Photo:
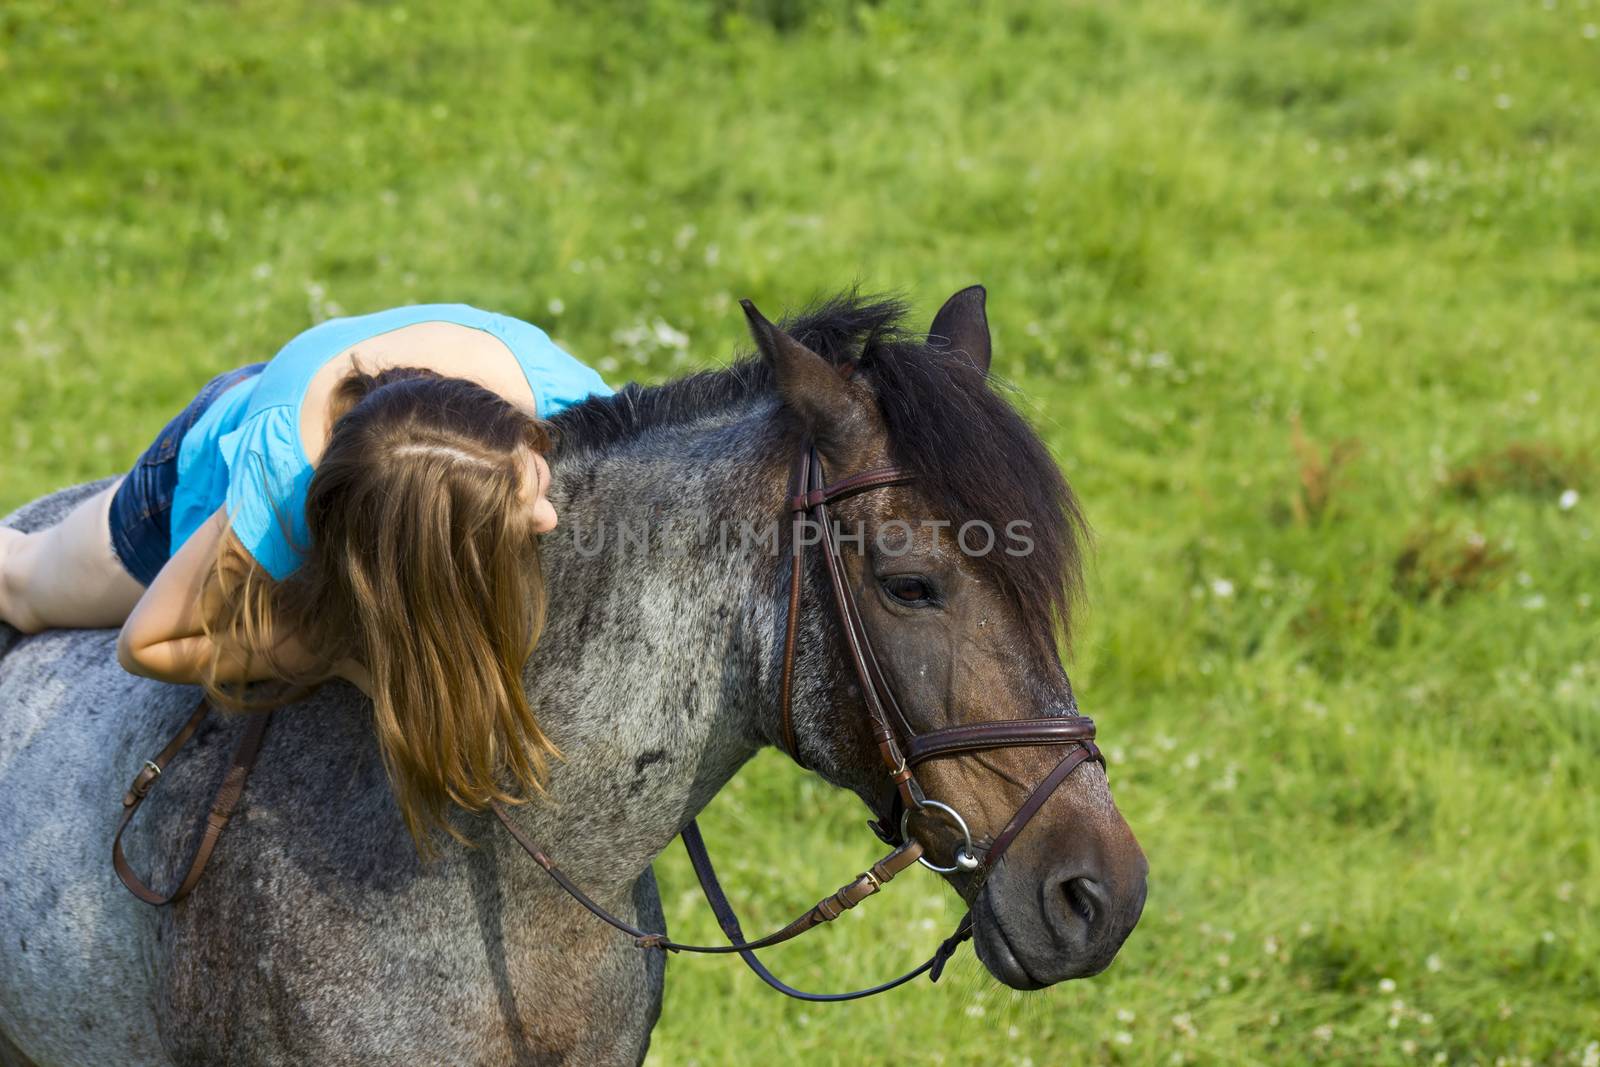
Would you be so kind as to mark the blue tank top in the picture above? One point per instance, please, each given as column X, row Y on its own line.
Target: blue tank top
column 245, row 452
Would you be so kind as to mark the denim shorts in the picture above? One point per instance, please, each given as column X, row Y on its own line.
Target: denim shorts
column 141, row 508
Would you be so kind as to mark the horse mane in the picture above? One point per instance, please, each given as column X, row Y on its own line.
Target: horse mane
column 974, row 457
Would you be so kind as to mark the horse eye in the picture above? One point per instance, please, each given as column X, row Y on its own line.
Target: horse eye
column 908, row 589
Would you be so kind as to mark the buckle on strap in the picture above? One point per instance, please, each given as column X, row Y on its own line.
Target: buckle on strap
column 141, row 783
column 868, row 882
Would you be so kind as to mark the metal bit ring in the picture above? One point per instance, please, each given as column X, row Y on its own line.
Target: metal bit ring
column 966, row 858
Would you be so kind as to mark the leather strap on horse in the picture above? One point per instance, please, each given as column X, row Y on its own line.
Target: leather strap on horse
column 1006, row 733
column 808, row 493
column 695, row 845
column 1041, row 793
column 825, row 910
column 244, row 760
column 875, row 693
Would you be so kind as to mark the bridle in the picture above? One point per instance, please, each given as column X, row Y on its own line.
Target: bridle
column 889, row 724
column 901, row 748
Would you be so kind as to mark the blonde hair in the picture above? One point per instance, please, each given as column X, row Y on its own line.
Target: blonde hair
column 423, row 566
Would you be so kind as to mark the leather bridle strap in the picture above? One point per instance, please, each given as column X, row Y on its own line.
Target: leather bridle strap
column 809, row 495
column 875, row 693
column 227, row 798
column 825, row 910
column 877, row 478
column 695, row 845
column 791, row 626
column 1006, row 733
column 1087, row 750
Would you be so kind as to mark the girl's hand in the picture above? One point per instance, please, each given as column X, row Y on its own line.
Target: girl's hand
column 354, row 673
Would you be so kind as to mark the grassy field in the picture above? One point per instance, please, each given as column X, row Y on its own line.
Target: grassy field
column 1305, row 297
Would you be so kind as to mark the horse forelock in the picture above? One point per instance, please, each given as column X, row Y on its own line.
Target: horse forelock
column 975, row 458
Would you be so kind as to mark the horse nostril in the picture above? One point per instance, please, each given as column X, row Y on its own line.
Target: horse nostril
column 1085, row 898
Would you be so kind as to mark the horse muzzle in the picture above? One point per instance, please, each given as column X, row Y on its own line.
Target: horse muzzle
column 1038, row 924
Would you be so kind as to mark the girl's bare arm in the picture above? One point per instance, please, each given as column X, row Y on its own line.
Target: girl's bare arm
column 165, row 638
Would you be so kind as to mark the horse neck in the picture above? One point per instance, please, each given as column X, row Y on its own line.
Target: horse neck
column 656, row 675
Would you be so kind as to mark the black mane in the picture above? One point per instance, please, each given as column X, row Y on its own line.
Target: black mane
column 973, row 456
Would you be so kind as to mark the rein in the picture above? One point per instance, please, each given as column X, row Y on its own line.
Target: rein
column 900, row 747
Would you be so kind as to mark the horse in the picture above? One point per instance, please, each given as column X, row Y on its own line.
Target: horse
column 318, row 934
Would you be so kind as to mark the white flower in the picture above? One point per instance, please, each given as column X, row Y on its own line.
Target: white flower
column 667, row 337
column 1569, row 499
column 1386, row 986
column 1222, row 588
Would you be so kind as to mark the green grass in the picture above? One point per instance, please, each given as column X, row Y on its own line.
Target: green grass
column 1353, row 715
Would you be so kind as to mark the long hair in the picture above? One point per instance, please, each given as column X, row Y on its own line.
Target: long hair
column 422, row 566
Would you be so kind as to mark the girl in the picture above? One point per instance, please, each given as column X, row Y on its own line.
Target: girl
column 364, row 506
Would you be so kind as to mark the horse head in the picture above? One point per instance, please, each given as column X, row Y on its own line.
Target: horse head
column 963, row 578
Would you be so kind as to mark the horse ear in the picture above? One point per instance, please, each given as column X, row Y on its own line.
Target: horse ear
column 834, row 415
column 962, row 326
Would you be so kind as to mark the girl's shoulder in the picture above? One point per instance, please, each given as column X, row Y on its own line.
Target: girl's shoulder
column 558, row 378
column 291, row 370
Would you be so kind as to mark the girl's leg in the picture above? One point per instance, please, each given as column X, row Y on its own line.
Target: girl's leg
column 66, row 576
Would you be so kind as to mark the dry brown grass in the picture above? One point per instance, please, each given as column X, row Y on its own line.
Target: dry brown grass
column 1528, row 468
column 1440, row 563
column 1319, row 473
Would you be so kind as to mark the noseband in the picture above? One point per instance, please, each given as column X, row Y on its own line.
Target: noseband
column 899, row 745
